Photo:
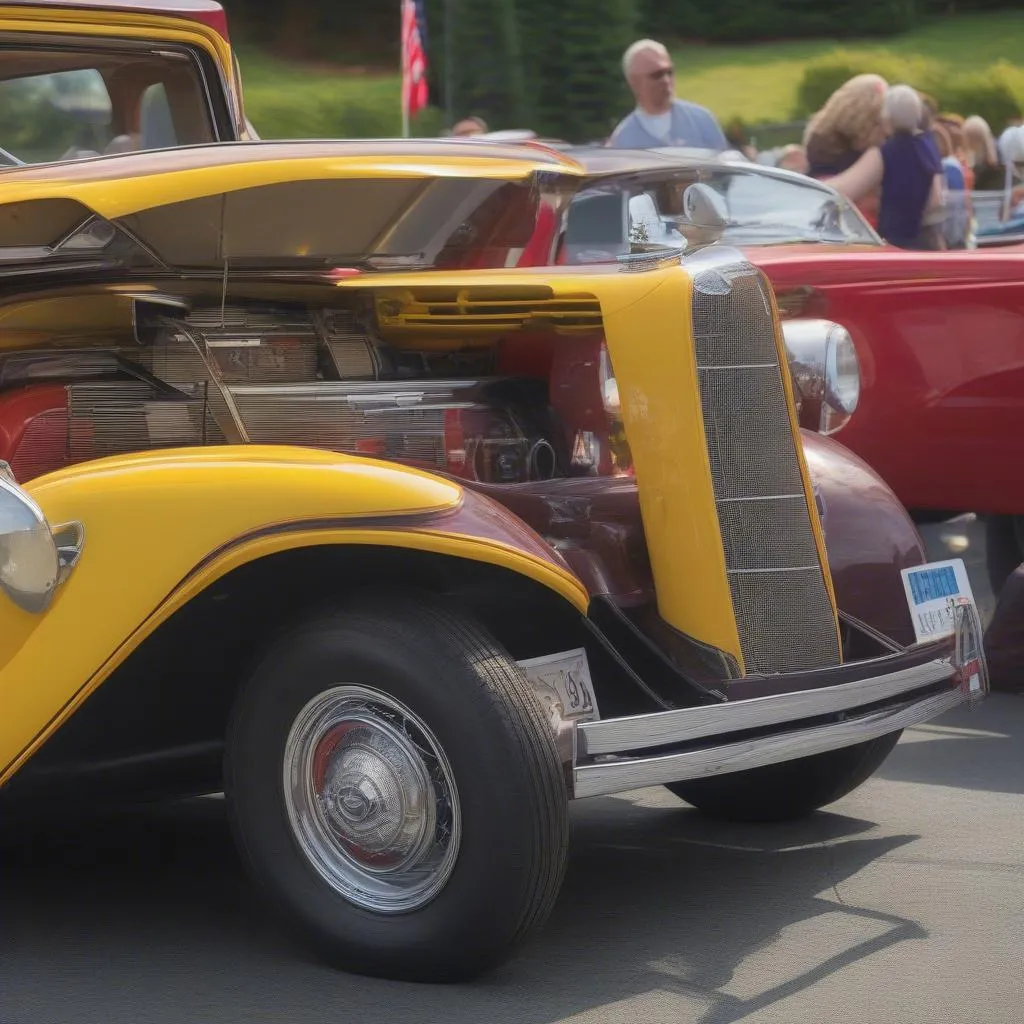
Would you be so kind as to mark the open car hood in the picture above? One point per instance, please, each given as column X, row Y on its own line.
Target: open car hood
column 262, row 206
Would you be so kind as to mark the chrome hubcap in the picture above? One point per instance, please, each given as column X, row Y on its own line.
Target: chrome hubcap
column 371, row 799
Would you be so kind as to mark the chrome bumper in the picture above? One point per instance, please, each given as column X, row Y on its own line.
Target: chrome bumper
column 621, row 754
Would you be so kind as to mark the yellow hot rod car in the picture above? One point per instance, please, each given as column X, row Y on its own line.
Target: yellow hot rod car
column 324, row 485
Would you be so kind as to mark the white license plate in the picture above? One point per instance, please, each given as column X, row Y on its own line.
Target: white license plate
column 933, row 591
column 568, row 674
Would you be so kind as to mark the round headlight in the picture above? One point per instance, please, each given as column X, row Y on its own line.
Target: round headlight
column 842, row 371
column 30, row 566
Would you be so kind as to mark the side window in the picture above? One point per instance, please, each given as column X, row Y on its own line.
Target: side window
column 72, row 104
column 55, row 116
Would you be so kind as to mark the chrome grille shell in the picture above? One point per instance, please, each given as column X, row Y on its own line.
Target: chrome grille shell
column 784, row 610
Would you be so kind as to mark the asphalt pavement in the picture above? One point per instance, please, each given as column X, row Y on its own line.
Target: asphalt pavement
column 903, row 902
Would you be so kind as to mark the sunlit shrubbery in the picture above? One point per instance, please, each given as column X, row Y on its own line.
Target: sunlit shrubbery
column 325, row 110
column 996, row 93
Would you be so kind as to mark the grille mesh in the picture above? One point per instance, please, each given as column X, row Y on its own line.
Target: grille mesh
column 762, row 533
column 783, row 611
column 780, row 605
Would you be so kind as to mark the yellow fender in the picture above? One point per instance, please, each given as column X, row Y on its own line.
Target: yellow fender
column 162, row 526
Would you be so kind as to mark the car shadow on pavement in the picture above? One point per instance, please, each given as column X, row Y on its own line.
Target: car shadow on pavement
column 145, row 916
column 979, row 749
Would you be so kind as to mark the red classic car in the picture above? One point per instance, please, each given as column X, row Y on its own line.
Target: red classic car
column 915, row 360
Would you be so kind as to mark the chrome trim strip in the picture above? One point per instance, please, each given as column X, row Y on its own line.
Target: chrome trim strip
column 762, row 497
column 640, row 732
column 620, row 777
column 741, row 366
column 641, row 262
column 773, row 569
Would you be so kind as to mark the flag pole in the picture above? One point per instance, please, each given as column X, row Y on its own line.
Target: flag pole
column 401, row 77
column 449, row 106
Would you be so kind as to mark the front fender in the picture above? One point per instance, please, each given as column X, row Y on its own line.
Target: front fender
column 869, row 537
column 160, row 527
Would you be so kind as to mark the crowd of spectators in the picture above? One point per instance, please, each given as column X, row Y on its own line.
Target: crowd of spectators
column 915, row 172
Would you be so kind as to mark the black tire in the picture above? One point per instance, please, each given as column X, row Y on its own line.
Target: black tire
column 509, row 781
column 1003, row 551
column 790, row 789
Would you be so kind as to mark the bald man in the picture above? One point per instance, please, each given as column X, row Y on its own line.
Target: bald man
column 659, row 118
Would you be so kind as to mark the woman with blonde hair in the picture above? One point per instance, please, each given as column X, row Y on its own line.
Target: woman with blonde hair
column 847, row 126
column 908, row 171
column 982, row 155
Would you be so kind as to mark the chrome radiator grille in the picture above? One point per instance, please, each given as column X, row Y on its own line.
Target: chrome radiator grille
column 783, row 610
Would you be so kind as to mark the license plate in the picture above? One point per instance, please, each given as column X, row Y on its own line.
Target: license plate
column 568, row 674
column 933, row 592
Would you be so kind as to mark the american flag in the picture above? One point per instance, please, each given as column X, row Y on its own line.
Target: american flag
column 414, row 62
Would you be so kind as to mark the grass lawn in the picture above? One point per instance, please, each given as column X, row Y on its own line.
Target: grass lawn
column 759, row 82
column 755, row 82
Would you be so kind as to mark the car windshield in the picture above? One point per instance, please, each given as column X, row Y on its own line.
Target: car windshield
column 68, row 104
column 648, row 210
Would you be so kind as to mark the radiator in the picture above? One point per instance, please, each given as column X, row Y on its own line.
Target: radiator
column 784, row 611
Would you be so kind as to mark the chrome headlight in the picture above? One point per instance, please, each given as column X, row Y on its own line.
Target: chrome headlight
column 34, row 560
column 826, row 372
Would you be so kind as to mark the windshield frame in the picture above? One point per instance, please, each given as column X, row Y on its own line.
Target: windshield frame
column 752, row 233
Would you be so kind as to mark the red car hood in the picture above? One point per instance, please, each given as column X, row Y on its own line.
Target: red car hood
column 850, row 265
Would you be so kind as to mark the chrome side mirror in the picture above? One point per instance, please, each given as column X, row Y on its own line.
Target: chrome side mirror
column 704, row 207
column 34, row 559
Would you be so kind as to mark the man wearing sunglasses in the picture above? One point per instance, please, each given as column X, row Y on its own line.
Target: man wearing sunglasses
column 659, row 118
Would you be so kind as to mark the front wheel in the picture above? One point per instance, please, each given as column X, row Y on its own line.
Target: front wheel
column 790, row 789
column 395, row 789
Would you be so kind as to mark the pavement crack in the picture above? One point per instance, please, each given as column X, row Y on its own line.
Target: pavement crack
column 832, row 871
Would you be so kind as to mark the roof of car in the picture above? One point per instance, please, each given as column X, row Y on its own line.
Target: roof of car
column 209, row 12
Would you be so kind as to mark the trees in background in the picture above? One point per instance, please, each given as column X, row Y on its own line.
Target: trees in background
column 554, row 65
column 549, row 65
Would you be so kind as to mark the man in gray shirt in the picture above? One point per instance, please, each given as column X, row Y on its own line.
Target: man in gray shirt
column 659, row 118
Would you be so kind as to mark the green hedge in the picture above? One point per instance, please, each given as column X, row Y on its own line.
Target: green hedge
column 996, row 94
column 821, row 77
column 753, row 20
column 325, row 111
